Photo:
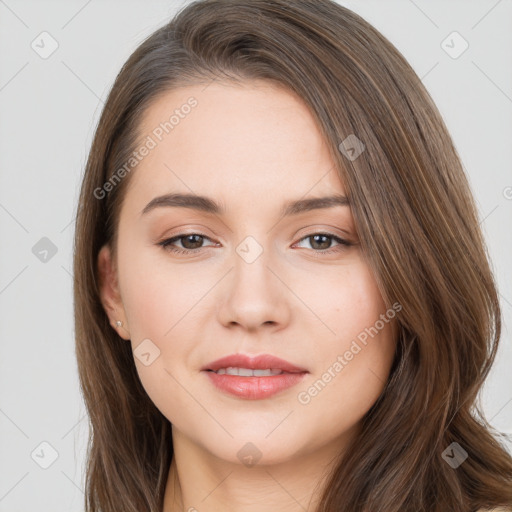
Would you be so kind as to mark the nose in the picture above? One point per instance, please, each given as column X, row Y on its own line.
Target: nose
column 253, row 295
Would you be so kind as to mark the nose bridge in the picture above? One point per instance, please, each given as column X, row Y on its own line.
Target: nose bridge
column 251, row 261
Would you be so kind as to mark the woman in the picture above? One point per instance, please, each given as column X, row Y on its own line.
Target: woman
column 282, row 295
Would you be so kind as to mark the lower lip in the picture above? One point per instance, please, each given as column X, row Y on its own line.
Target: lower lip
column 255, row 388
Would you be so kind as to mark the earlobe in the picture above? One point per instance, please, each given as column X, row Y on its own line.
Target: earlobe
column 109, row 292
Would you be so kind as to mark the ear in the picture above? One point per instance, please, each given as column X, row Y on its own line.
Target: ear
column 109, row 292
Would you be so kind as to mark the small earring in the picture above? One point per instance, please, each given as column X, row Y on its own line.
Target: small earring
column 119, row 323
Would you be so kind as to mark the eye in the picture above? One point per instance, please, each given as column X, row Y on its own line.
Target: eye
column 191, row 243
column 322, row 242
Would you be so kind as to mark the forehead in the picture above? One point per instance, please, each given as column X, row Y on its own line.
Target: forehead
column 245, row 142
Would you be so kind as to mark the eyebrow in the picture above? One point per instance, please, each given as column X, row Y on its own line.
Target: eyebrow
column 208, row 205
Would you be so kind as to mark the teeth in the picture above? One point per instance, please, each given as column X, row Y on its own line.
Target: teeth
column 247, row 372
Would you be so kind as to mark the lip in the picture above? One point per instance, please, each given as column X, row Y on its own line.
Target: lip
column 260, row 362
column 254, row 388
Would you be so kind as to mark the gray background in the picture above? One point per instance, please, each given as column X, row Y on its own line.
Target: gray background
column 49, row 108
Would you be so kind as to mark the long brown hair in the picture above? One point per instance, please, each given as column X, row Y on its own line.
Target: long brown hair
column 418, row 226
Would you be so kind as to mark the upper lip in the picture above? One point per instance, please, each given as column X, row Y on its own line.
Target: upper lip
column 260, row 362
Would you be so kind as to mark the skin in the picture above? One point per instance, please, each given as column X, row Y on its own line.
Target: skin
column 251, row 147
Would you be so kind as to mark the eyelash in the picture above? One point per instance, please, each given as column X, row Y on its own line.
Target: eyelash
column 166, row 244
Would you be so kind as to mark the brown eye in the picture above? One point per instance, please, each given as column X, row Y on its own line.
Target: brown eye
column 321, row 243
column 190, row 242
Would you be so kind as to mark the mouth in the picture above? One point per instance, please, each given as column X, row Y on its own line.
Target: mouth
column 253, row 378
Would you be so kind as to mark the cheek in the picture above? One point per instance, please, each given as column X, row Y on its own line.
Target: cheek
column 363, row 327
column 343, row 301
column 163, row 304
column 153, row 309
column 356, row 350
column 144, row 298
column 151, row 294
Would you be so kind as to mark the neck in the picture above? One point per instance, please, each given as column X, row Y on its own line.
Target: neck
column 198, row 481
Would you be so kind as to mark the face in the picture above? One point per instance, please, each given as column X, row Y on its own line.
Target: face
column 246, row 279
